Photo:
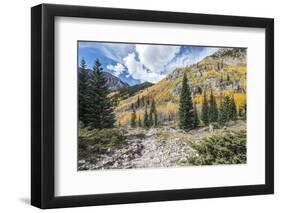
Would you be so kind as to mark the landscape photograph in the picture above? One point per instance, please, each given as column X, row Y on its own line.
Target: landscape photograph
column 160, row 105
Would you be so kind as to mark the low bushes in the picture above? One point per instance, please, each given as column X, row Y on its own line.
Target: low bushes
column 98, row 140
column 229, row 148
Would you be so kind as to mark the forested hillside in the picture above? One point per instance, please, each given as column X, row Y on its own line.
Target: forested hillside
column 223, row 74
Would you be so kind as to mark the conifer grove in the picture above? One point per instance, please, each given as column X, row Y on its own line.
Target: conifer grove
column 210, row 112
column 95, row 108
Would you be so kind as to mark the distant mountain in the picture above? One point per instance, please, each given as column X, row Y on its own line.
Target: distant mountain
column 112, row 82
column 127, row 92
column 131, row 90
column 224, row 72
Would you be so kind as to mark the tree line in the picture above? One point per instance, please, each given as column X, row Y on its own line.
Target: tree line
column 188, row 115
column 210, row 112
column 95, row 107
column 149, row 119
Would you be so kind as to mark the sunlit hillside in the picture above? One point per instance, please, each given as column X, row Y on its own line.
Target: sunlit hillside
column 223, row 73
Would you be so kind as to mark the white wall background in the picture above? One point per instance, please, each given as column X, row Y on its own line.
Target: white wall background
column 15, row 105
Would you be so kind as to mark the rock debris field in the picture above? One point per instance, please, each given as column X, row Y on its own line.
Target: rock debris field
column 156, row 147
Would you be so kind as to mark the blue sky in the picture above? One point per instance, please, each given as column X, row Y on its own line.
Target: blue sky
column 137, row 63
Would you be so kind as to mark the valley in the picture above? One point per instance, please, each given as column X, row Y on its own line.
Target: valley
column 196, row 115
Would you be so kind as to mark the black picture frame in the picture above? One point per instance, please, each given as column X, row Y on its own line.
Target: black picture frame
column 43, row 102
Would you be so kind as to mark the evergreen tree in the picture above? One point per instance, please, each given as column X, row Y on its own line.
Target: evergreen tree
column 101, row 110
column 225, row 110
column 213, row 110
column 218, row 66
column 221, row 117
column 150, row 119
column 153, row 114
column 205, row 110
column 139, row 122
column 232, row 110
column 196, row 118
column 240, row 112
column 145, row 119
column 227, row 77
column 133, row 119
column 186, row 116
column 227, row 106
column 83, row 92
column 221, row 79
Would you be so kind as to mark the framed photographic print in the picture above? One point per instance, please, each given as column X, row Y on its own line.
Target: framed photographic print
column 139, row 106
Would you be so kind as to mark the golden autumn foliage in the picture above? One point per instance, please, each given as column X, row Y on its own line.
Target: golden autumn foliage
column 166, row 99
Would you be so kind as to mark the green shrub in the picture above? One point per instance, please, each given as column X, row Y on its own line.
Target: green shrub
column 98, row 140
column 229, row 148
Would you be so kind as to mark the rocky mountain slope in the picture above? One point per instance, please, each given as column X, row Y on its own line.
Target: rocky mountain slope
column 112, row 82
column 127, row 92
column 223, row 72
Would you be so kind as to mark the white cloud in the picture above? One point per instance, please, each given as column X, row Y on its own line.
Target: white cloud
column 116, row 51
column 191, row 56
column 155, row 57
column 117, row 69
column 113, row 51
column 138, row 71
column 180, row 61
column 147, row 62
column 204, row 53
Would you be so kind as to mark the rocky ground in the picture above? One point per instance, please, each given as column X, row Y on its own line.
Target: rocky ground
column 157, row 147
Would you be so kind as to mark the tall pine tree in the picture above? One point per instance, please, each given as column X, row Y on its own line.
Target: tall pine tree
column 196, row 118
column 213, row 110
column 101, row 110
column 83, row 98
column 153, row 114
column 186, row 116
column 227, row 77
column 133, row 119
column 233, row 110
column 205, row 110
column 139, row 122
column 146, row 122
column 225, row 110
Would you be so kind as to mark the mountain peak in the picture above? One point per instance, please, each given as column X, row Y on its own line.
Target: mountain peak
column 113, row 83
column 230, row 56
